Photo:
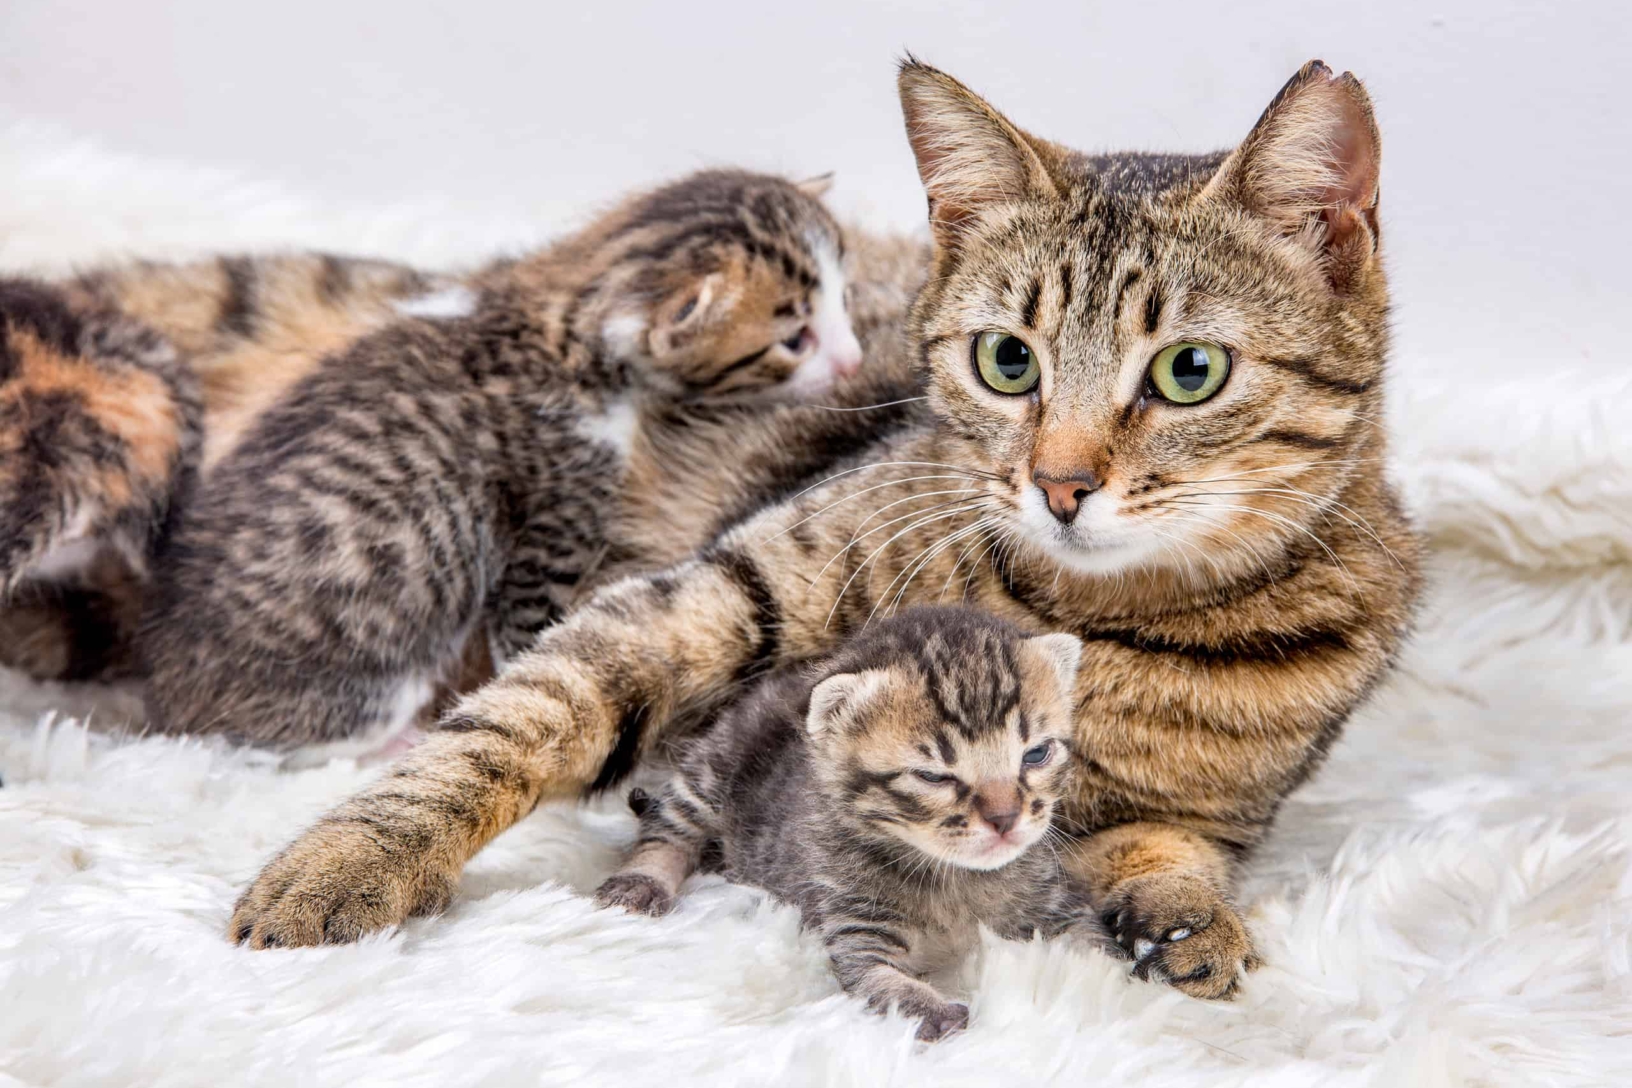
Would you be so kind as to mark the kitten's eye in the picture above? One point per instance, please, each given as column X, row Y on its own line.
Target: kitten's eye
column 798, row 341
column 1189, row 372
column 932, row 778
column 1005, row 363
column 1038, row 754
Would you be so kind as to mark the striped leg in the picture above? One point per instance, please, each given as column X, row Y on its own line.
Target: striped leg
column 573, row 713
column 869, row 948
column 675, row 828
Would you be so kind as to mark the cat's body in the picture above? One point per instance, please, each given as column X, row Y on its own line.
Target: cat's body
column 897, row 793
column 472, row 455
column 1110, row 347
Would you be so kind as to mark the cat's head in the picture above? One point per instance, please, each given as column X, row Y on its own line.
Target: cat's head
column 731, row 284
column 1166, row 362
column 948, row 731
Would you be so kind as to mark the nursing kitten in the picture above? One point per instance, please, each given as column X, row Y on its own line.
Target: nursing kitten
column 1155, row 386
column 459, row 469
column 897, row 792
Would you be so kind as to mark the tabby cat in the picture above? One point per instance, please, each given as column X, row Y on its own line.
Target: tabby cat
column 898, row 793
column 458, row 467
column 1153, row 389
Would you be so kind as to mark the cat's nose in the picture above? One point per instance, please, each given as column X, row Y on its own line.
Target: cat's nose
column 1000, row 809
column 1066, row 492
column 1002, row 822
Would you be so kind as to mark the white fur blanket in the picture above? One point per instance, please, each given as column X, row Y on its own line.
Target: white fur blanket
column 1448, row 903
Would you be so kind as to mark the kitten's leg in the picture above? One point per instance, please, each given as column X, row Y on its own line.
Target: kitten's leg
column 868, row 952
column 1162, row 892
column 97, row 421
column 675, row 827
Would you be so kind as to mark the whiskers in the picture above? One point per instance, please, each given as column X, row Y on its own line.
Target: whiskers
column 1213, row 494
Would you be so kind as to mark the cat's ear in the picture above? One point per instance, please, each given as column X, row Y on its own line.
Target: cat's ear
column 1310, row 167
column 970, row 157
column 678, row 317
column 817, row 186
column 1062, row 654
column 836, row 701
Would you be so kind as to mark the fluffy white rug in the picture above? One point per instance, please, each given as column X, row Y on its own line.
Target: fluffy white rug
column 1449, row 903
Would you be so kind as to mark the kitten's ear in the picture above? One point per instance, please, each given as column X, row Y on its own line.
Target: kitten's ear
column 837, row 700
column 1062, row 653
column 817, row 186
column 969, row 156
column 1310, row 167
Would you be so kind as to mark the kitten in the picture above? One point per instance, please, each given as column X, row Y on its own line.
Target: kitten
column 898, row 793
column 451, row 476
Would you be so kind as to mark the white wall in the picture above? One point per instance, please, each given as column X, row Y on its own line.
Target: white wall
column 1506, row 126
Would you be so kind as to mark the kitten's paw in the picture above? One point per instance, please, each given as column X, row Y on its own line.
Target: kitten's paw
column 636, row 893
column 948, row 1019
column 337, row 882
column 1180, row 930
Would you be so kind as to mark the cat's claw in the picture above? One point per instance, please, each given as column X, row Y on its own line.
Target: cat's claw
column 1183, row 932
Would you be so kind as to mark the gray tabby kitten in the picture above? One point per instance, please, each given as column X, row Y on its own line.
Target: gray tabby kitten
column 897, row 793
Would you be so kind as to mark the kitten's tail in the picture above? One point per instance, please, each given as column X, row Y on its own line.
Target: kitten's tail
column 98, row 422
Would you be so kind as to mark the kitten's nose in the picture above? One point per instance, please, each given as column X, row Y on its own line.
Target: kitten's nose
column 1065, row 493
column 847, row 355
column 1001, row 809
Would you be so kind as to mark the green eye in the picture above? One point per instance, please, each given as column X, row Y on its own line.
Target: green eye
column 1005, row 363
column 1189, row 372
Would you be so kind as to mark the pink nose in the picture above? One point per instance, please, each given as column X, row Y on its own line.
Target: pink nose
column 846, row 354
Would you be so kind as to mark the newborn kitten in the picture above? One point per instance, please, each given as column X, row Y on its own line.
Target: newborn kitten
column 897, row 792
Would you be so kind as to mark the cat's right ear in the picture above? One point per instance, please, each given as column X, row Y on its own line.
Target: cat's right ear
column 1310, row 169
column 970, row 157
column 838, row 700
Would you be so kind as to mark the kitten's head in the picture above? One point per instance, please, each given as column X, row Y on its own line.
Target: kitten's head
column 949, row 731
column 1166, row 361
column 731, row 284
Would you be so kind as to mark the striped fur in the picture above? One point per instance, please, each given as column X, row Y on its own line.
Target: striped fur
column 1225, row 644
column 885, row 792
column 401, row 472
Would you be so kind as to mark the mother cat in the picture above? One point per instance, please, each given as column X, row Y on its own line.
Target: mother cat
column 1152, row 392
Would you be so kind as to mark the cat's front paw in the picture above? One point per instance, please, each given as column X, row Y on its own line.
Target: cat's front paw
column 1180, row 930
column 947, row 1019
column 339, row 881
column 636, row 893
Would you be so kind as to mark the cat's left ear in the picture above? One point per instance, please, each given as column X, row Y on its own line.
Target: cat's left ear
column 1062, row 653
column 839, row 700
column 678, row 317
column 817, row 187
column 1310, row 167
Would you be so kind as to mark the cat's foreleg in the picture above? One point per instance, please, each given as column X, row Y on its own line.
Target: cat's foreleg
column 574, row 713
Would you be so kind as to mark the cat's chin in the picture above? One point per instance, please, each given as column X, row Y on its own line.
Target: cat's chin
column 1091, row 551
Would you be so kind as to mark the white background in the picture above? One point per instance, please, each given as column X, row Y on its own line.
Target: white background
column 1507, row 144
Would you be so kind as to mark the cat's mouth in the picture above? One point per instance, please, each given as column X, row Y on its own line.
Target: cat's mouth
column 1097, row 540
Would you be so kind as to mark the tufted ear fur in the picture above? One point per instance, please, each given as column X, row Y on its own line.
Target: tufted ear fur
column 970, row 157
column 1310, row 167
column 817, row 186
column 838, row 700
